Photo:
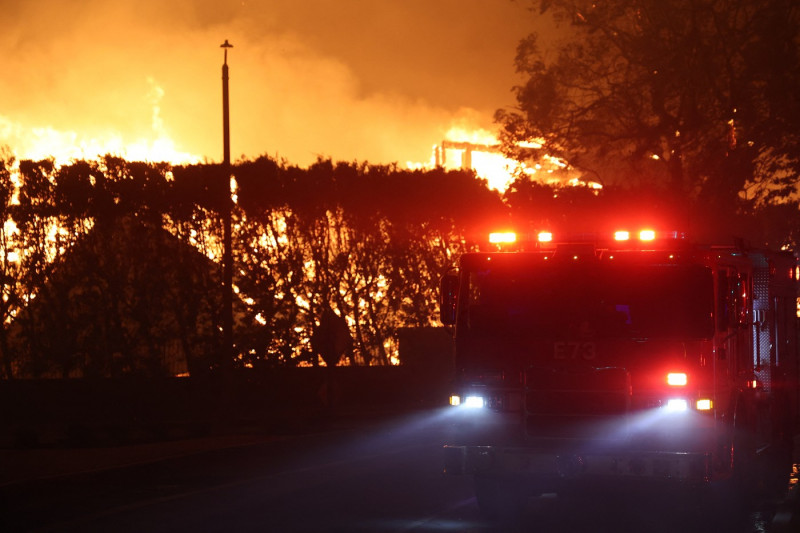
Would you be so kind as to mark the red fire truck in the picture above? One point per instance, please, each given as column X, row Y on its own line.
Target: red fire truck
column 635, row 356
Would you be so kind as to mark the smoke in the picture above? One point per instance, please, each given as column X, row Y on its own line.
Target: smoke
column 347, row 79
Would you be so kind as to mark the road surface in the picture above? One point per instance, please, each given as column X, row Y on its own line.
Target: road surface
column 375, row 477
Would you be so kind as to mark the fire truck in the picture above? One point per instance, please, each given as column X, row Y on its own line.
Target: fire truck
column 633, row 357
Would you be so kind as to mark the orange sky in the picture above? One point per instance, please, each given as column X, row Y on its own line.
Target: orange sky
column 367, row 80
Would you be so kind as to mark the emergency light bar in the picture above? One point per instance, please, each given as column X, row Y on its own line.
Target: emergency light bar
column 546, row 238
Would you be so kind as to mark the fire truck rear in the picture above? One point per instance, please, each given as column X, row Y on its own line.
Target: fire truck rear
column 634, row 358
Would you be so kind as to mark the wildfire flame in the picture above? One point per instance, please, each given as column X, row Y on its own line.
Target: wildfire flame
column 463, row 147
column 44, row 141
column 479, row 149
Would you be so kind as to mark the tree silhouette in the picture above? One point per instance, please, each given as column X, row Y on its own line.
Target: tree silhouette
column 699, row 96
column 369, row 242
column 120, row 261
column 113, row 268
column 10, row 286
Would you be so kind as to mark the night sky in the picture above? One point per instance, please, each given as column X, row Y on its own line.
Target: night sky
column 367, row 80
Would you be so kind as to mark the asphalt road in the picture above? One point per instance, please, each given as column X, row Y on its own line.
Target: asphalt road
column 377, row 477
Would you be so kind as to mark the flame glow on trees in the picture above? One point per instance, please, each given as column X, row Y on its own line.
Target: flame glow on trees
column 361, row 294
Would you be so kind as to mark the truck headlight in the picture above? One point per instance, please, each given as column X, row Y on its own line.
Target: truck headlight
column 475, row 402
column 677, row 405
column 471, row 401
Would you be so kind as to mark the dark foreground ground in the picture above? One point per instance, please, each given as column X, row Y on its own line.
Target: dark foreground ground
column 375, row 473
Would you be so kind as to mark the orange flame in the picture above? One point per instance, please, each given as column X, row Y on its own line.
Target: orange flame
column 44, row 142
column 479, row 149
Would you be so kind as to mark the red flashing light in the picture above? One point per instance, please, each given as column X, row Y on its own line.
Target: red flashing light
column 644, row 235
column 506, row 237
column 647, row 235
column 545, row 236
column 677, row 379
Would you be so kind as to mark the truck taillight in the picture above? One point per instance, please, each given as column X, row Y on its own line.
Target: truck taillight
column 622, row 235
column 677, row 379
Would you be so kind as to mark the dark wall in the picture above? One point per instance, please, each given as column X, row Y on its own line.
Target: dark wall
column 84, row 412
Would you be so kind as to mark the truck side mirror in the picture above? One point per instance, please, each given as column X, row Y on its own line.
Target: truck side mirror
column 448, row 298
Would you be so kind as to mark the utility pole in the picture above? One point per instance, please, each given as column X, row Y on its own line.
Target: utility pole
column 227, row 259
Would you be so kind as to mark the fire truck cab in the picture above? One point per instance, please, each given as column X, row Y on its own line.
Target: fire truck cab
column 637, row 357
